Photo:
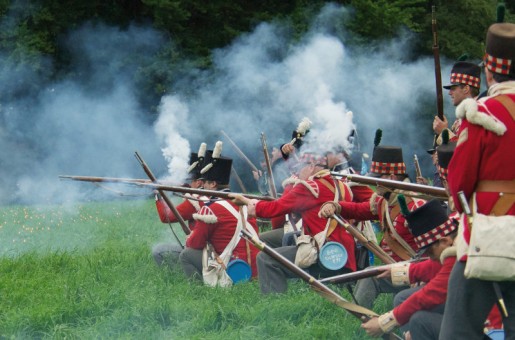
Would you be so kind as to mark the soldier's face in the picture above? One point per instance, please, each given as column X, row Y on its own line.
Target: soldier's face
column 458, row 93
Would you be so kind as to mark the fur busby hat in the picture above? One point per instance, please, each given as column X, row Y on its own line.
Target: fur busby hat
column 500, row 48
column 429, row 223
column 466, row 73
column 196, row 162
column 386, row 159
column 215, row 167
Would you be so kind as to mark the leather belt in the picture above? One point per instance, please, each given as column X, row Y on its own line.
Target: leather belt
column 507, row 187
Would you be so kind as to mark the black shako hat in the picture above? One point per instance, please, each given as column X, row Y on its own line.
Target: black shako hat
column 466, row 73
column 215, row 167
column 445, row 152
column 387, row 160
column 429, row 223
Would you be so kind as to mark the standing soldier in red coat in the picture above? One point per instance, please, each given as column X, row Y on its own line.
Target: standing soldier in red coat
column 483, row 168
column 216, row 223
column 465, row 83
column 169, row 252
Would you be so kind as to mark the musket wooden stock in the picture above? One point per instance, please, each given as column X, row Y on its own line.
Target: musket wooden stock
column 349, row 277
column 373, row 247
column 362, row 313
column 168, row 202
column 239, row 152
column 271, row 181
column 362, row 274
column 439, row 193
column 438, row 73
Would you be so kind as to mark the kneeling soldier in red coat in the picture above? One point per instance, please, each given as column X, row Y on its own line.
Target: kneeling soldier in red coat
column 216, row 222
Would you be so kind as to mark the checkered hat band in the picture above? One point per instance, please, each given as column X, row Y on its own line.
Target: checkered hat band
column 497, row 65
column 388, row 168
column 466, row 79
column 313, row 159
column 443, row 172
column 435, row 234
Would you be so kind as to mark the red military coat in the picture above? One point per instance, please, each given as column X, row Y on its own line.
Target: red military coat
column 217, row 225
column 367, row 211
column 306, row 198
column 186, row 209
column 484, row 150
column 433, row 293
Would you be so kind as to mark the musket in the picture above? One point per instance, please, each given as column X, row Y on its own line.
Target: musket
column 168, row 202
column 271, row 182
column 468, row 212
column 438, row 74
column 180, row 189
column 362, row 274
column 358, row 235
column 439, row 193
column 105, row 179
column 418, row 172
column 321, row 289
column 239, row 152
column 238, row 179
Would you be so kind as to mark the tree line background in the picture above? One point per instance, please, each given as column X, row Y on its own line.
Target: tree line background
column 32, row 31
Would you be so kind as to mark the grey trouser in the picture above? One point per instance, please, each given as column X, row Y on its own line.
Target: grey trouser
column 468, row 304
column 273, row 276
column 166, row 254
column 273, row 238
column 424, row 324
column 367, row 290
column 191, row 262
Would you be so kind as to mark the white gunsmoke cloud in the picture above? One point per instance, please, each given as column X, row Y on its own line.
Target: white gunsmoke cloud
column 88, row 123
column 169, row 126
column 266, row 81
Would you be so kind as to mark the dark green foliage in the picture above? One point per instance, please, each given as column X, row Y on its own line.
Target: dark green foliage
column 501, row 11
column 32, row 32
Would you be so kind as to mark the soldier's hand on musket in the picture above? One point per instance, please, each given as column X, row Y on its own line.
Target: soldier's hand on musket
column 407, row 335
column 439, row 125
column 386, row 273
column 372, row 327
column 257, row 174
column 287, row 149
column 422, row 180
column 239, row 199
column 328, row 209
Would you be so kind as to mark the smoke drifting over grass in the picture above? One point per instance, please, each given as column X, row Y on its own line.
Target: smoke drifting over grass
column 90, row 122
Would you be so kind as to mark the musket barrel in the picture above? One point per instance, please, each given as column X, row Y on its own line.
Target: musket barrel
column 165, row 187
column 436, row 192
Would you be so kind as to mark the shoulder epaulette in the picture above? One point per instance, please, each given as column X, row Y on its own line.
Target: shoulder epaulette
column 468, row 109
column 206, row 215
column 312, row 186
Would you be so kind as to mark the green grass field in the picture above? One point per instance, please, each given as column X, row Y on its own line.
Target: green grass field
column 86, row 271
